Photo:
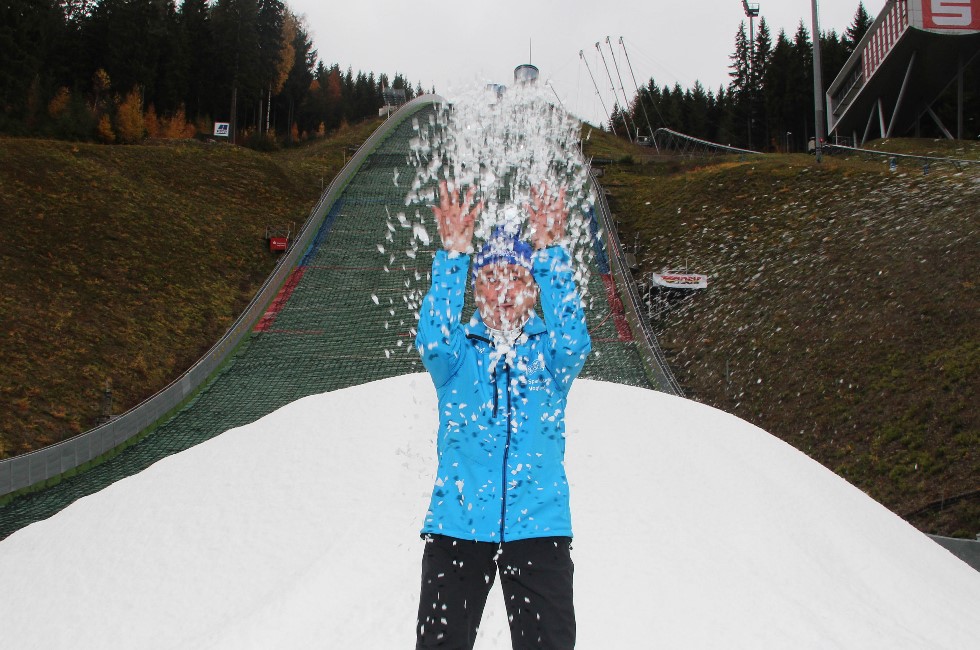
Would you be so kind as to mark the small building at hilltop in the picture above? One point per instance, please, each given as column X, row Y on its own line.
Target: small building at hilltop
column 393, row 99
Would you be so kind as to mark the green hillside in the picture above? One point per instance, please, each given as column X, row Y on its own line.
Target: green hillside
column 841, row 313
column 126, row 263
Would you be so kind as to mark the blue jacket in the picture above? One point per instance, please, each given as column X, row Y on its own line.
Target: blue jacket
column 501, row 439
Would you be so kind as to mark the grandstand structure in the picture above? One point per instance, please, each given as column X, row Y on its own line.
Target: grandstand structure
column 315, row 327
column 911, row 55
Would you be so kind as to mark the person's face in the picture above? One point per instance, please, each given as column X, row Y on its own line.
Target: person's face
column 505, row 294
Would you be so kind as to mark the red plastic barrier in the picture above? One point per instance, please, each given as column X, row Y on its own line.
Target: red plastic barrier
column 618, row 311
column 265, row 324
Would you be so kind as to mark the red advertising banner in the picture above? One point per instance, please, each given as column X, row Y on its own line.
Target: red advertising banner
column 951, row 14
column 278, row 244
column 680, row 280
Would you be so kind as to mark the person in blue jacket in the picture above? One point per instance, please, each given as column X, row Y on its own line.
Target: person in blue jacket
column 500, row 501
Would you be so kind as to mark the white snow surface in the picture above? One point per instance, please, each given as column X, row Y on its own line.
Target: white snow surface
column 694, row 529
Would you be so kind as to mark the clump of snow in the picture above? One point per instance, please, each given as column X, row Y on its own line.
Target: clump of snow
column 694, row 529
column 503, row 146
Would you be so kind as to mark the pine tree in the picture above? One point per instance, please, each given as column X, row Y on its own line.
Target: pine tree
column 236, row 46
column 29, row 33
column 335, row 91
column 310, row 110
column 760, row 56
column 696, row 111
column 399, row 81
column 348, row 84
column 196, row 41
column 858, row 28
column 671, row 106
column 171, row 69
column 778, row 101
column 130, row 39
column 759, row 118
column 800, row 87
column 273, row 55
column 739, row 67
column 803, row 47
column 645, row 109
column 711, row 115
column 724, row 122
column 833, row 56
column 655, row 99
column 739, row 88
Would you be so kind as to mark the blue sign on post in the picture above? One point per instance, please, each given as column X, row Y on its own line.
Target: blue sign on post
column 222, row 129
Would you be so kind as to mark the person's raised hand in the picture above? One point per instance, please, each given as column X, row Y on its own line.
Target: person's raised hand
column 547, row 215
column 456, row 218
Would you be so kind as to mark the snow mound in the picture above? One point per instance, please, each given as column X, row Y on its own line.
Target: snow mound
column 694, row 529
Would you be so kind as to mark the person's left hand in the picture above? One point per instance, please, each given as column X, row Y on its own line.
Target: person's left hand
column 547, row 215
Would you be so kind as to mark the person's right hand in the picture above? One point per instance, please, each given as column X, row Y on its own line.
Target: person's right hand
column 456, row 219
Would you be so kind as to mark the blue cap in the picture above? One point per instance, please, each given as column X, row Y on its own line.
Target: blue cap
column 503, row 247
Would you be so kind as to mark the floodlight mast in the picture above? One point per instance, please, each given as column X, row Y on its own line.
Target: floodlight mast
column 581, row 55
column 818, row 109
column 626, row 112
column 751, row 12
column 653, row 137
column 612, row 86
column 560, row 103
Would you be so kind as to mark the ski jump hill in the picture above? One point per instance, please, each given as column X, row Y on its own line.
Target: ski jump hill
column 331, row 316
column 277, row 503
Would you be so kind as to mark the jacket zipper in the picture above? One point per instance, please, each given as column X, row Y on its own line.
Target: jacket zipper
column 496, row 404
column 503, row 471
column 496, row 398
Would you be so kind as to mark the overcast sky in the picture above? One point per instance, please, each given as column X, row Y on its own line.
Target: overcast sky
column 449, row 44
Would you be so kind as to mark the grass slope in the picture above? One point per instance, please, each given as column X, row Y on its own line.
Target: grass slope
column 125, row 264
column 841, row 313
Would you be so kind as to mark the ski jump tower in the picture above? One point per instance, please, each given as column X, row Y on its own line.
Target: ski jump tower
column 911, row 54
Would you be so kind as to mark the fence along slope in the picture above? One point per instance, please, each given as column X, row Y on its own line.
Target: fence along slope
column 39, row 467
column 329, row 334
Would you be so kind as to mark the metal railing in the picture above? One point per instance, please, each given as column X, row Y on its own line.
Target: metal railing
column 36, row 468
column 686, row 145
column 967, row 550
column 654, row 361
column 894, row 158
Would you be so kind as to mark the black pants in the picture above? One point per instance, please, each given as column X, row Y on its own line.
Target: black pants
column 536, row 578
